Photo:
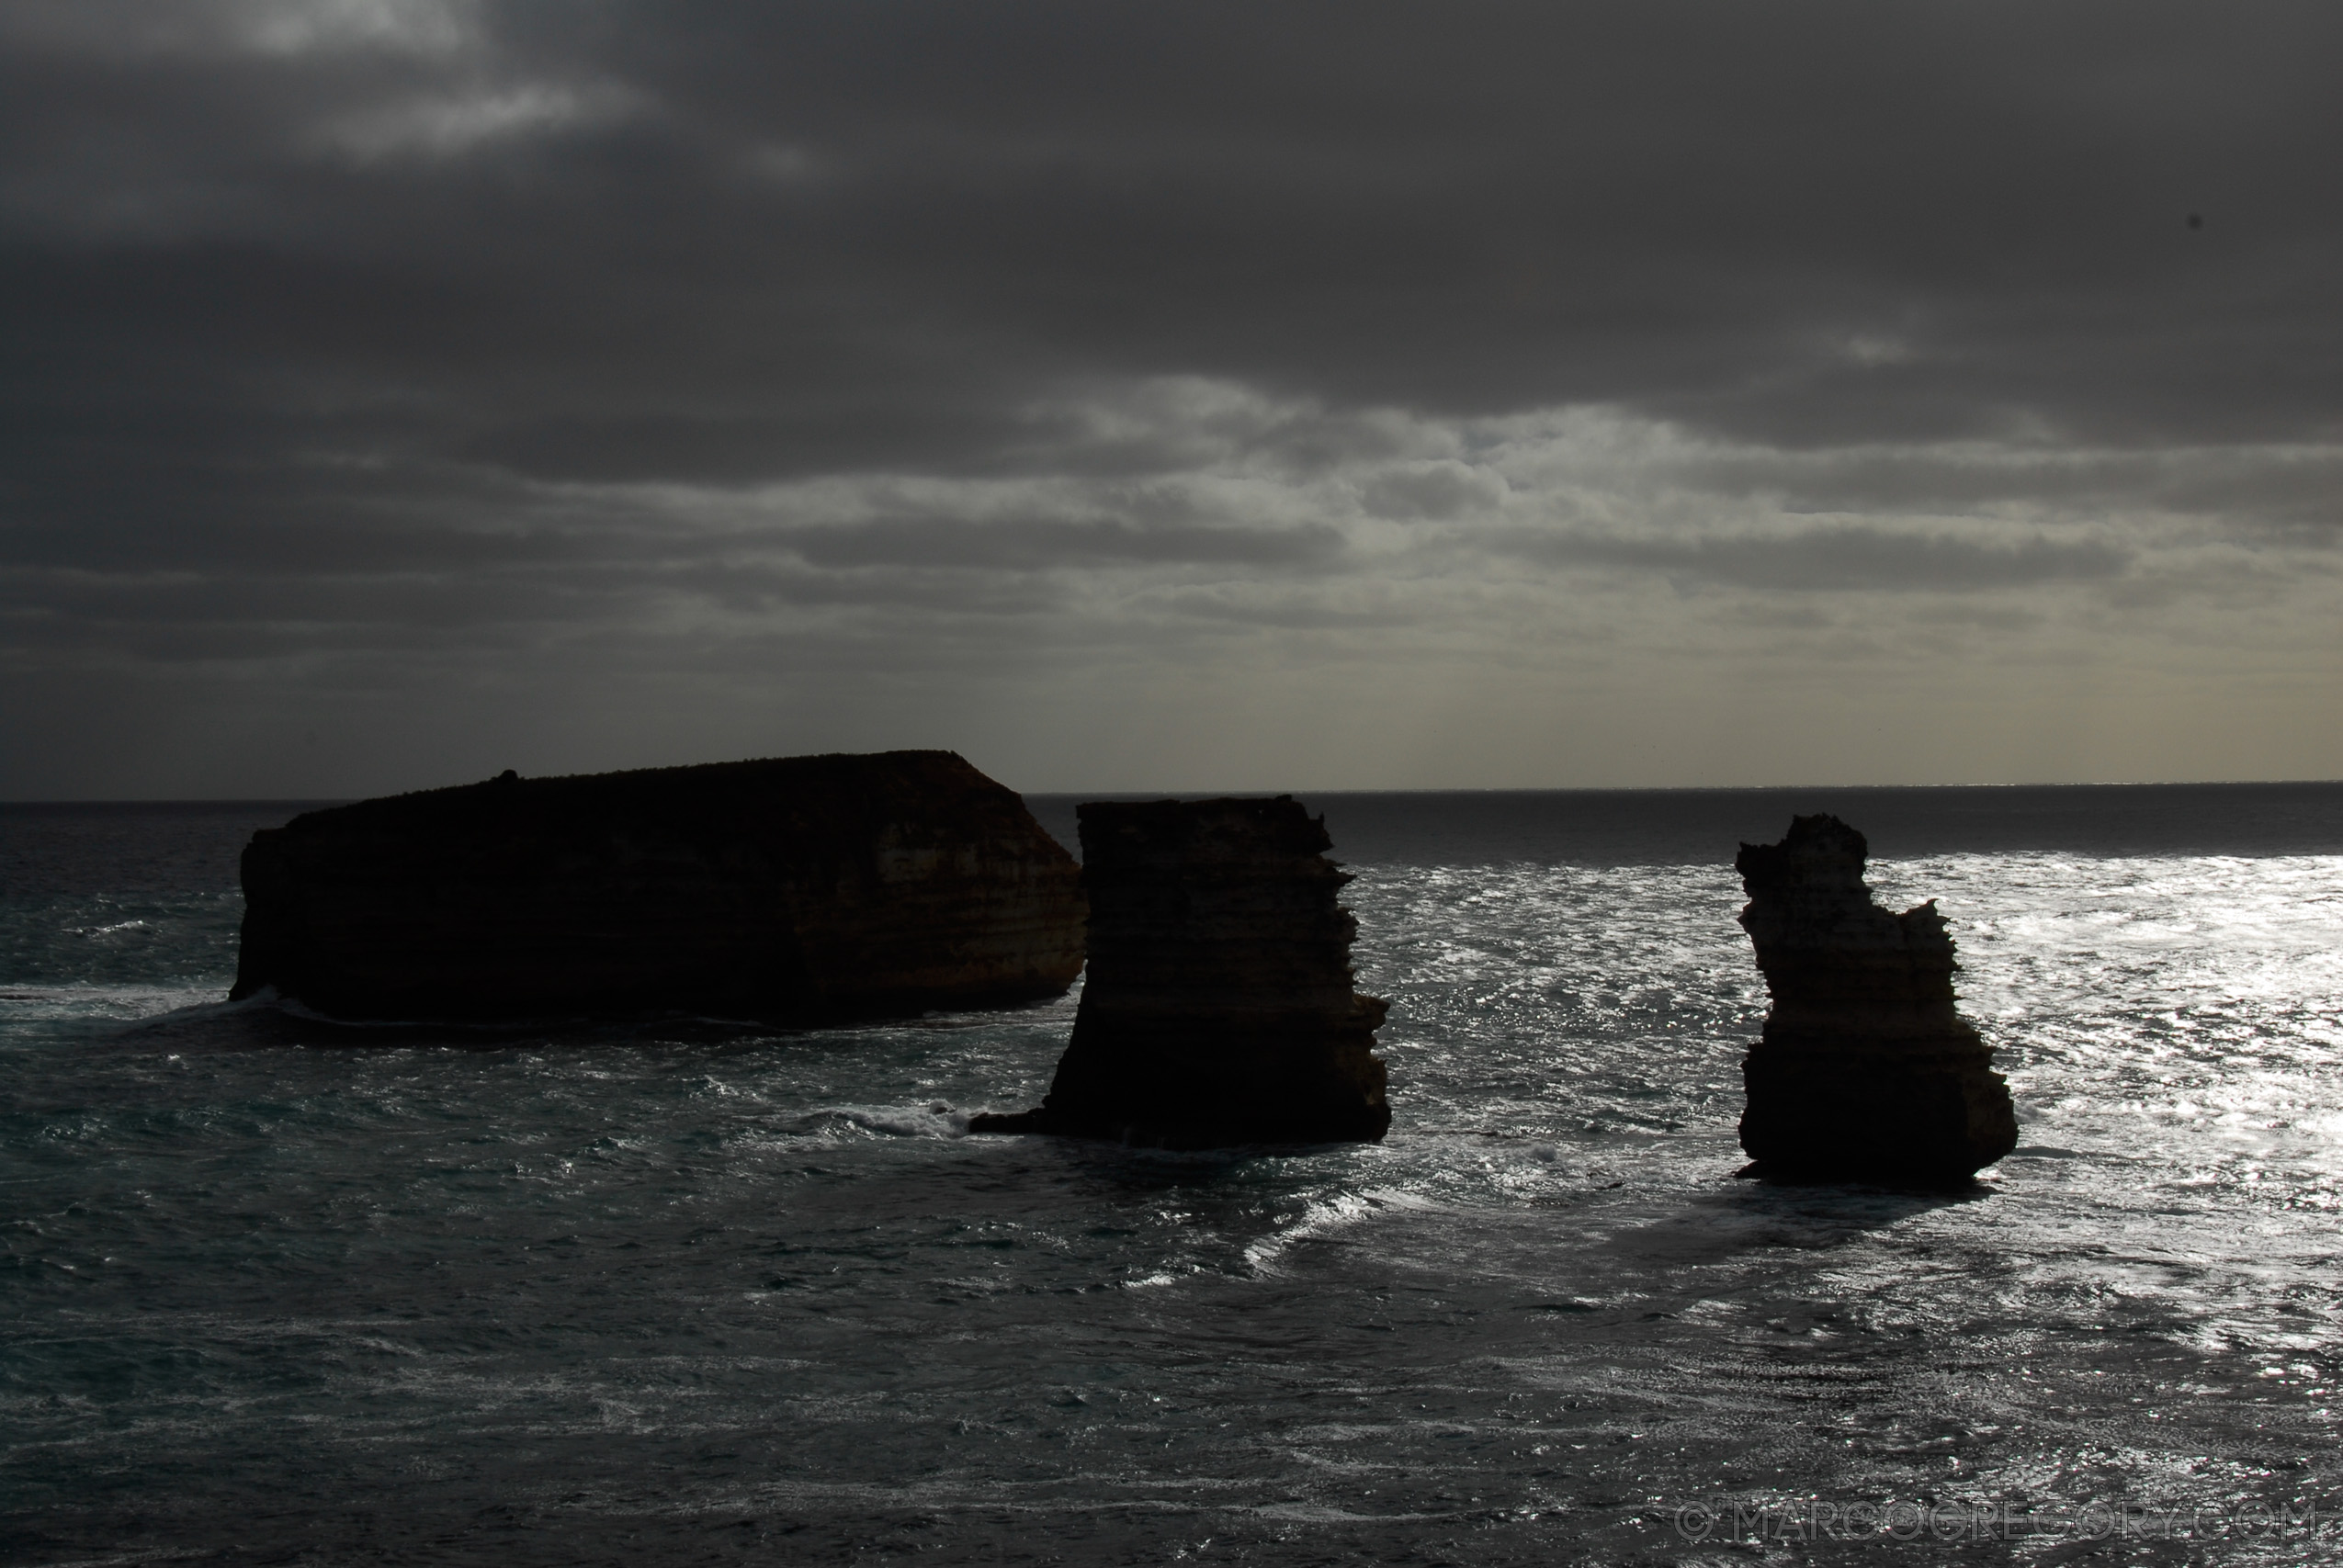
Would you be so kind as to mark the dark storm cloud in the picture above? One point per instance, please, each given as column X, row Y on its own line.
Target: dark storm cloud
column 1803, row 221
column 721, row 241
column 338, row 322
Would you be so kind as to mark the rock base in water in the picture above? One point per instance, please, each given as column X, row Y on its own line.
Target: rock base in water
column 801, row 889
column 1866, row 1069
column 1219, row 1008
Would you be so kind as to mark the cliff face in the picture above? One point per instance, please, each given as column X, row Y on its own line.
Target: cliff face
column 1866, row 1069
column 1219, row 1008
column 797, row 889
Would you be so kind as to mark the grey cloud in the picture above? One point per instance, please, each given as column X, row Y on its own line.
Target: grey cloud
column 739, row 449
column 1029, row 546
column 2246, row 485
column 295, row 609
column 497, row 605
column 1286, row 612
column 303, row 549
column 1834, row 558
column 1433, row 490
column 758, row 588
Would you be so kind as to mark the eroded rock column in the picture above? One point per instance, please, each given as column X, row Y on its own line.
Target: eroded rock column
column 1218, row 1007
column 1866, row 1069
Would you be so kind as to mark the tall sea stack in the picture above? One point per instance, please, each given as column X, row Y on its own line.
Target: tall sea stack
column 1219, row 1008
column 1866, row 1070
column 801, row 889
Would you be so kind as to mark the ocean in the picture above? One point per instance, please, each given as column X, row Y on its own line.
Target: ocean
column 277, row 1291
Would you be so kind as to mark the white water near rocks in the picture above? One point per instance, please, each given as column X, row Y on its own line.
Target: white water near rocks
column 279, row 1291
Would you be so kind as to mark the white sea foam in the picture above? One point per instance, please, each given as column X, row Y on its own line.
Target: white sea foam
column 936, row 1120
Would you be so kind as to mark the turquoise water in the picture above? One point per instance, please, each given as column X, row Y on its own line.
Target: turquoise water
column 281, row 1290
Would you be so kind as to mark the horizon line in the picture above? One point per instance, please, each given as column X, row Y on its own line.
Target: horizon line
column 1221, row 793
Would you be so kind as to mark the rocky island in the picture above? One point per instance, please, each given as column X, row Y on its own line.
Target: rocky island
column 1218, row 1009
column 1866, row 1069
column 797, row 890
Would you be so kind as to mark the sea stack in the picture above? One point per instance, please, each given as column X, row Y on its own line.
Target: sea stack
column 1866, row 1071
column 1219, row 1008
column 802, row 889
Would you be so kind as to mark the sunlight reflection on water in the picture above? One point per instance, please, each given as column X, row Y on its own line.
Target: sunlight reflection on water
column 510, row 1295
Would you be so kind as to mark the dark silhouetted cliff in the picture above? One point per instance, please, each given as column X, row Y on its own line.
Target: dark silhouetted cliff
column 1866, row 1069
column 1219, row 1008
column 796, row 889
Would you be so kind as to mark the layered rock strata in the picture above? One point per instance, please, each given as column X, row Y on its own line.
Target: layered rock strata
column 1219, row 1008
column 801, row 889
column 1866, row 1069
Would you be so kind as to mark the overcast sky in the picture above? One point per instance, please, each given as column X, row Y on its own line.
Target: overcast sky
column 1182, row 396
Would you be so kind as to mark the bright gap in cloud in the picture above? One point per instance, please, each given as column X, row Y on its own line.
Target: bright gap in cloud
column 447, row 126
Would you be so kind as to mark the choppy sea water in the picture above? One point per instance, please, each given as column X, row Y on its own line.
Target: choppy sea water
column 277, row 1291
